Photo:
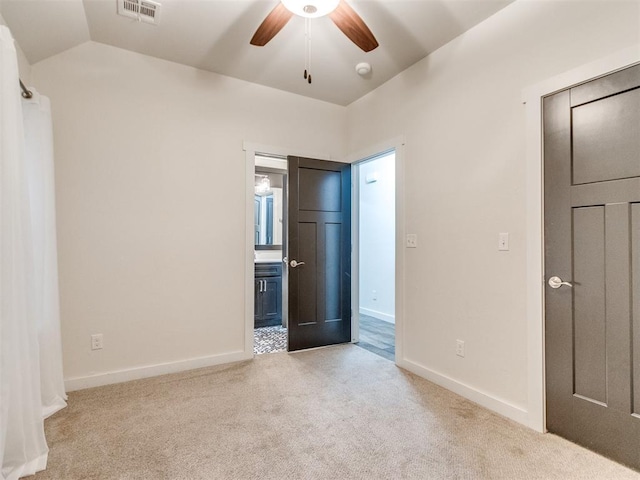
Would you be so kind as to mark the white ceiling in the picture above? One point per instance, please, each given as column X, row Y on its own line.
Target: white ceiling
column 214, row 35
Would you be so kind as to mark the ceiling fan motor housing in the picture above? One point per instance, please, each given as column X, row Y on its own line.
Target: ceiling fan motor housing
column 311, row 8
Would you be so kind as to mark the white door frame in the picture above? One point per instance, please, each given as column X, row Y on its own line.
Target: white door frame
column 532, row 98
column 250, row 150
column 396, row 145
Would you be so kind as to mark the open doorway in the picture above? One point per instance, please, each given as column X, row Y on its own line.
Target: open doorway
column 348, row 308
column 269, row 232
column 376, row 234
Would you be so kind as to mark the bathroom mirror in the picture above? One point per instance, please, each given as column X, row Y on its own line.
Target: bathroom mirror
column 268, row 213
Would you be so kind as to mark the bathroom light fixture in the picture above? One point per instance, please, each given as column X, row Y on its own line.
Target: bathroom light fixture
column 264, row 185
column 311, row 8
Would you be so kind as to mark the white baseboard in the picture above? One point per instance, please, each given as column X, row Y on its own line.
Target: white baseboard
column 119, row 376
column 379, row 315
column 483, row 399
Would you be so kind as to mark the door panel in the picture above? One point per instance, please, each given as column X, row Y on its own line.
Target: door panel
column 605, row 150
column 589, row 303
column 605, row 192
column 612, row 84
column 333, row 272
column 618, row 311
column 591, row 144
column 305, row 294
column 558, row 304
column 319, row 236
column 321, row 191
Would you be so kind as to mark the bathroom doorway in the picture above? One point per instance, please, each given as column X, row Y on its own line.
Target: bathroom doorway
column 375, row 196
column 269, row 231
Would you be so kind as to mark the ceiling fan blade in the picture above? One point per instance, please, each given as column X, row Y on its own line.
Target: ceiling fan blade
column 271, row 25
column 347, row 20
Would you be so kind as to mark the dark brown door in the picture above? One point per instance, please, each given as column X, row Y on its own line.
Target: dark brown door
column 319, row 253
column 592, row 241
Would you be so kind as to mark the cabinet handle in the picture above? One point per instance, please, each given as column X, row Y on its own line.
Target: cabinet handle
column 260, row 283
column 264, row 285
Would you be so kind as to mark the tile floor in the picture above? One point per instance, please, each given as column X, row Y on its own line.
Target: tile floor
column 269, row 340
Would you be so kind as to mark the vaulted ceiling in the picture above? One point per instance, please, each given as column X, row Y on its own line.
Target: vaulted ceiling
column 214, row 35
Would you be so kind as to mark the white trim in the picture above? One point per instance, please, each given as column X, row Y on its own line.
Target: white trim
column 532, row 97
column 355, row 253
column 396, row 144
column 137, row 373
column 283, row 151
column 249, row 253
column 385, row 317
column 483, row 399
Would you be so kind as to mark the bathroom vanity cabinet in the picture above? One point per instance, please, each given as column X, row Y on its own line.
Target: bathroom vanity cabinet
column 268, row 294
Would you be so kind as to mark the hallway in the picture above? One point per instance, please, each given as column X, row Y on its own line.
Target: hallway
column 377, row 336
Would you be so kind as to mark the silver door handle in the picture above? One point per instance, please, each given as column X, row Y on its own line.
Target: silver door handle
column 260, row 283
column 556, row 282
column 294, row 263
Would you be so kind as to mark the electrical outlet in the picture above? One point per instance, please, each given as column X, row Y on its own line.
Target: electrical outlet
column 460, row 348
column 96, row 341
column 374, row 296
column 412, row 240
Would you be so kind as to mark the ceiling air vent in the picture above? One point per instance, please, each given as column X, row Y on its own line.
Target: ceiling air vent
column 146, row 11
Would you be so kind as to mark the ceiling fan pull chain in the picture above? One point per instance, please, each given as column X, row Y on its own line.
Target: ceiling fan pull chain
column 309, row 54
column 306, row 50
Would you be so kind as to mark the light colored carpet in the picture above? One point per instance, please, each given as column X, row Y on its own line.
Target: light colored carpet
column 334, row 413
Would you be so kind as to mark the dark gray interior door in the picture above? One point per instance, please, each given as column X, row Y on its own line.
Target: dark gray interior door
column 319, row 253
column 592, row 241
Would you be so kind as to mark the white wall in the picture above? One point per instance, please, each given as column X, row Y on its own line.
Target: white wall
column 149, row 163
column 150, row 185
column 463, row 120
column 377, row 238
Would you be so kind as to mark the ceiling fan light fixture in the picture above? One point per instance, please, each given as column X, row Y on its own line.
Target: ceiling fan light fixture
column 311, row 8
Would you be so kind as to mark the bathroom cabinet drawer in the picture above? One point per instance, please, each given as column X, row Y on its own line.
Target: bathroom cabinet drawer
column 268, row 269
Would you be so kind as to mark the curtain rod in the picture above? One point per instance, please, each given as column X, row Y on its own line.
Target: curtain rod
column 26, row 93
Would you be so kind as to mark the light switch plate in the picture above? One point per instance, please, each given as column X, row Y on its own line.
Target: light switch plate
column 412, row 240
column 503, row 242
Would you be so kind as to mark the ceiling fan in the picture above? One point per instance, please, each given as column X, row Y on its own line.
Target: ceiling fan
column 345, row 18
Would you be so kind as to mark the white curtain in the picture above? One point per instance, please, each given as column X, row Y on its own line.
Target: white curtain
column 26, row 296
column 38, row 134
